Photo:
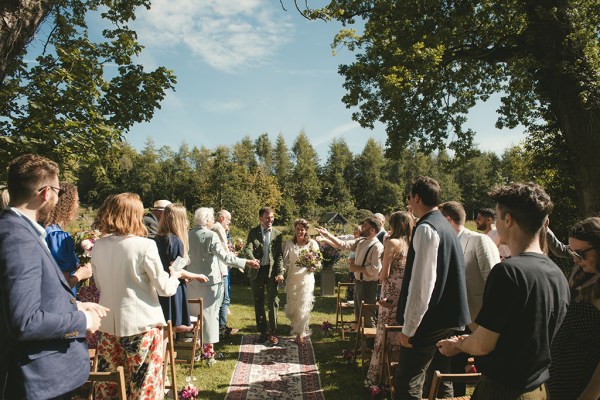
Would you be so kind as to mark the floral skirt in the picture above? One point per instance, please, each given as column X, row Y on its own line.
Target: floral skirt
column 142, row 359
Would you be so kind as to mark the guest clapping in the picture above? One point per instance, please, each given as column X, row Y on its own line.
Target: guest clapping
column 129, row 273
column 172, row 242
column 575, row 352
column 391, row 275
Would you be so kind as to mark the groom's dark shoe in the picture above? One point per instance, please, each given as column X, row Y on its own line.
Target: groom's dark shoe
column 263, row 337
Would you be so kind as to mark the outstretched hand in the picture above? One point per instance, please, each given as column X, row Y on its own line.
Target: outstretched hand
column 254, row 264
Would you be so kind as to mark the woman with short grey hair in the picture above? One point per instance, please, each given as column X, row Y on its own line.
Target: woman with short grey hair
column 206, row 254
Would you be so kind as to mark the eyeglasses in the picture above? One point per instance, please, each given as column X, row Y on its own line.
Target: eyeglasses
column 580, row 253
column 58, row 191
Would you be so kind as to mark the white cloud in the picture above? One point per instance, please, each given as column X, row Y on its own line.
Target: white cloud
column 222, row 106
column 228, row 35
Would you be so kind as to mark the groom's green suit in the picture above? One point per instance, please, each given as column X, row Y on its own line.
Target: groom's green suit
column 264, row 276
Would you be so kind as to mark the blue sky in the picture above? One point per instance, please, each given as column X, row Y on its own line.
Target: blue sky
column 247, row 67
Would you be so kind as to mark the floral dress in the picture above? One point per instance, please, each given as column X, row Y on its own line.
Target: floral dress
column 387, row 316
column 299, row 288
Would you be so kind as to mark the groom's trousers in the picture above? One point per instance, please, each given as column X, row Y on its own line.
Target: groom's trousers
column 264, row 281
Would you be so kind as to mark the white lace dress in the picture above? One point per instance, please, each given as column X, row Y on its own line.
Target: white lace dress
column 299, row 288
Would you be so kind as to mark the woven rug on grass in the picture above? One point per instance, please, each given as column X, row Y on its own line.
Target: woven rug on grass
column 284, row 371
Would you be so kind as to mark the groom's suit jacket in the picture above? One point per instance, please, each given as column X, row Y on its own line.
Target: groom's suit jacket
column 254, row 249
column 43, row 353
column 481, row 254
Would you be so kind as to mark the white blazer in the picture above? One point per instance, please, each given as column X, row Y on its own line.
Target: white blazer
column 130, row 276
column 481, row 254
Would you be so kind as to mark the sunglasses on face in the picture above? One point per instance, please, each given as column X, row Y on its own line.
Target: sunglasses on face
column 581, row 253
column 58, row 191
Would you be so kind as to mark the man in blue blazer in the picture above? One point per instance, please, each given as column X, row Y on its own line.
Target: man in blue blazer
column 43, row 353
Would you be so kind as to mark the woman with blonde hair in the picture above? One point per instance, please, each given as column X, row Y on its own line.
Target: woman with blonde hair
column 130, row 277
column 172, row 242
column 391, row 275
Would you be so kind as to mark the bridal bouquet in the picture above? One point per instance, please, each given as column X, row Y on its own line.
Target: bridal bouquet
column 309, row 259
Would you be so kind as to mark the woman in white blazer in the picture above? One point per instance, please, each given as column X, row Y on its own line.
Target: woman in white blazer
column 130, row 277
column 206, row 256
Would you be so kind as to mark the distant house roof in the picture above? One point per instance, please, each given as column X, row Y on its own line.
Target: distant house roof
column 332, row 218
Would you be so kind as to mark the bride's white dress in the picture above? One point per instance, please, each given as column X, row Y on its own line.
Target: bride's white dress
column 299, row 288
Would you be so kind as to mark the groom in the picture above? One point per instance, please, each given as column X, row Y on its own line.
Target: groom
column 264, row 244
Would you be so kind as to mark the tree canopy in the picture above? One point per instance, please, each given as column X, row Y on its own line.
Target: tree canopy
column 421, row 65
column 80, row 95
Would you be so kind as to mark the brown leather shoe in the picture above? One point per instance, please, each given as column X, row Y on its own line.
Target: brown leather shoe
column 273, row 340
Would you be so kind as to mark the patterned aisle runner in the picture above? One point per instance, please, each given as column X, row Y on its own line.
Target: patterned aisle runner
column 285, row 371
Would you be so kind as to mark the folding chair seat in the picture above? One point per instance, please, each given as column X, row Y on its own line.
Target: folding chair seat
column 197, row 342
column 117, row 377
column 363, row 333
column 438, row 378
column 340, row 306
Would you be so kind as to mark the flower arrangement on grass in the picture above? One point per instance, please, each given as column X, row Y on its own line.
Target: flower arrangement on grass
column 375, row 391
column 208, row 354
column 309, row 259
column 348, row 356
column 190, row 391
column 327, row 328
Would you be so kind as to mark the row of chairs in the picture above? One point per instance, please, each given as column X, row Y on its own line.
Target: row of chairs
column 389, row 358
column 170, row 358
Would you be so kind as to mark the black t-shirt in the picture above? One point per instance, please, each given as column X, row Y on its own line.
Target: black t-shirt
column 525, row 301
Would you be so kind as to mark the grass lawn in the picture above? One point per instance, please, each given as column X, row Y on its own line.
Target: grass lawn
column 338, row 379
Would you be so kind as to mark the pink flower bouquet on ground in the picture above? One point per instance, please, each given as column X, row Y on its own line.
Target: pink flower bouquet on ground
column 190, row 391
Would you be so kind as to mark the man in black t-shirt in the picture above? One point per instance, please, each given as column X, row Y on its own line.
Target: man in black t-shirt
column 524, row 303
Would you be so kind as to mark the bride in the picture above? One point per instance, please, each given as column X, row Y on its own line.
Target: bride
column 300, row 281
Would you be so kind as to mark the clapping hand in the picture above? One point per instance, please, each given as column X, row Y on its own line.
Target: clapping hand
column 95, row 311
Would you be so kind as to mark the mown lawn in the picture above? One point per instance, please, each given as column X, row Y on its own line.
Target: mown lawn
column 338, row 379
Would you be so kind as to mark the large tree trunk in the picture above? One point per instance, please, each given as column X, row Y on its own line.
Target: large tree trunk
column 19, row 19
column 558, row 63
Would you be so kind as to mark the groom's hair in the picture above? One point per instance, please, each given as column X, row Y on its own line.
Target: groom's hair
column 264, row 210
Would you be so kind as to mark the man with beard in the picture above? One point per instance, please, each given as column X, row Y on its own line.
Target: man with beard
column 485, row 223
column 42, row 328
column 366, row 265
column 264, row 244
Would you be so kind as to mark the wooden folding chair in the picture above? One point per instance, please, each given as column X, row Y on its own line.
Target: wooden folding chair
column 169, row 360
column 197, row 342
column 362, row 333
column 117, row 376
column 438, row 378
column 340, row 306
column 389, row 357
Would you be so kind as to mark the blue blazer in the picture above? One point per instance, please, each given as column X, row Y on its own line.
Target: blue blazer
column 43, row 353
